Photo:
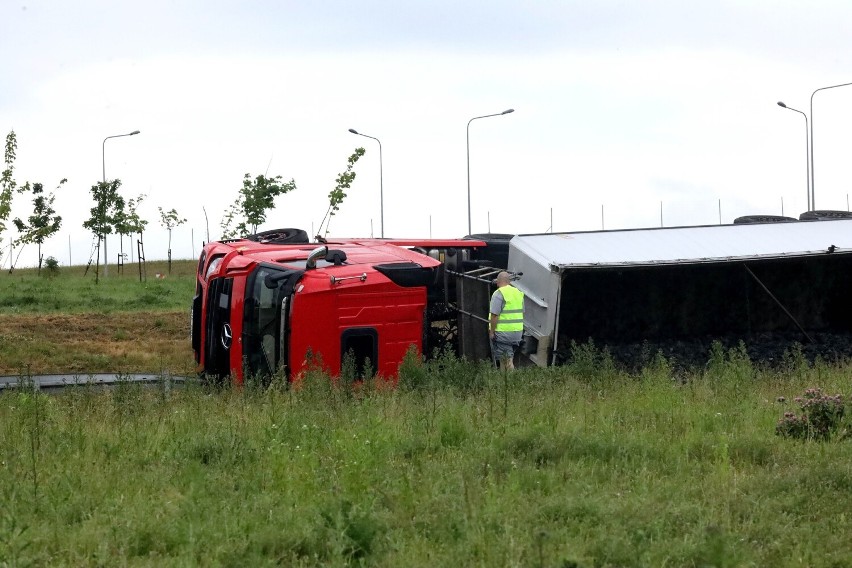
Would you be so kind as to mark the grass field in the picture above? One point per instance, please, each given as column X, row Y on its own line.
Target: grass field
column 460, row 465
column 70, row 324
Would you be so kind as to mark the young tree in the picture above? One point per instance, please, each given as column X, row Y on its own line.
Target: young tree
column 108, row 207
column 257, row 196
column 42, row 224
column 7, row 183
column 170, row 220
column 336, row 195
column 128, row 221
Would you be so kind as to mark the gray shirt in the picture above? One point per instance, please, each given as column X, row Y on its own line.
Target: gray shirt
column 497, row 305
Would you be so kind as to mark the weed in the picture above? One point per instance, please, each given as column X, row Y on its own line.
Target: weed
column 32, row 403
column 793, row 362
column 452, row 431
column 716, row 549
column 13, row 540
column 413, row 375
column 590, row 364
column 821, row 418
column 658, row 368
column 731, row 366
column 353, row 530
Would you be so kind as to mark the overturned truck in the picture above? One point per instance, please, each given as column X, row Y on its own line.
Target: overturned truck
column 274, row 303
column 678, row 289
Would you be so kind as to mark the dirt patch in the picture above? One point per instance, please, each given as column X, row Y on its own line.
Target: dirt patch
column 87, row 343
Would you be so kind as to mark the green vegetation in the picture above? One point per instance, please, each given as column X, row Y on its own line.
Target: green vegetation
column 62, row 322
column 67, row 291
column 459, row 465
column 256, row 198
column 821, row 419
column 338, row 194
column 42, row 224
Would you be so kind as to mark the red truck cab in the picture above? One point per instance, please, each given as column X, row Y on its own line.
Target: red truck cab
column 263, row 308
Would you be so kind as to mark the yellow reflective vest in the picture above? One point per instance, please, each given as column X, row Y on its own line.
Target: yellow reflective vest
column 512, row 316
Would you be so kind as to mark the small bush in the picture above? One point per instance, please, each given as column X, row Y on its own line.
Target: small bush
column 821, row 418
column 51, row 267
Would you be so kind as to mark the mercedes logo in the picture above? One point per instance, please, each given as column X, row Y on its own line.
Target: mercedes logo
column 227, row 336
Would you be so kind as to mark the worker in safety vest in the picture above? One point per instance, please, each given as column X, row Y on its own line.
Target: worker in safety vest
column 506, row 325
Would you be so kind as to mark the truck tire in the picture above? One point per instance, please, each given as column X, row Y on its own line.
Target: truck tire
column 281, row 237
column 824, row 215
column 750, row 219
column 496, row 251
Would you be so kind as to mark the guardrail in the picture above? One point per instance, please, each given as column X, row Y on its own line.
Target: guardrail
column 68, row 380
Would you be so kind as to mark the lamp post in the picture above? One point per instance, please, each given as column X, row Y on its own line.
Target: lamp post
column 103, row 164
column 507, row 111
column 807, row 163
column 381, row 188
column 813, row 204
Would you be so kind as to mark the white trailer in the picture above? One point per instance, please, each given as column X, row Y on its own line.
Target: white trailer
column 684, row 282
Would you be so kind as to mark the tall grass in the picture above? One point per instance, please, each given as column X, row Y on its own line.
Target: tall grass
column 459, row 465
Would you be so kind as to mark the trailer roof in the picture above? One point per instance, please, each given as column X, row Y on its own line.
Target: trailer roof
column 685, row 245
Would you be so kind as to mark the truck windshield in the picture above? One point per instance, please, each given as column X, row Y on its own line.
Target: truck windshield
column 265, row 330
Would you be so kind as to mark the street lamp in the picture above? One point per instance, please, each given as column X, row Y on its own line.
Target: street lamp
column 381, row 188
column 813, row 204
column 103, row 149
column 807, row 163
column 468, row 158
column 103, row 164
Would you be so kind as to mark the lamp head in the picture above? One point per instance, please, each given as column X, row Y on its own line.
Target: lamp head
column 507, row 111
column 782, row 105
column 353, row 131
column 134, row 132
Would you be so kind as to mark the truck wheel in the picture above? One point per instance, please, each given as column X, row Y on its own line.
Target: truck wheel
column 281, row 237
column 496, row 250
column 824, row 215
column 750, row 219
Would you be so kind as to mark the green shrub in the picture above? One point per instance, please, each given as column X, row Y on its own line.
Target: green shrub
column 821, row 418
column 51, row 267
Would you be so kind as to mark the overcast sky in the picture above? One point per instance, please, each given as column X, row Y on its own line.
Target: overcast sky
column 619, row 106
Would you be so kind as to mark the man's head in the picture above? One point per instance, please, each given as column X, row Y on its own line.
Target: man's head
column 503, row 279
